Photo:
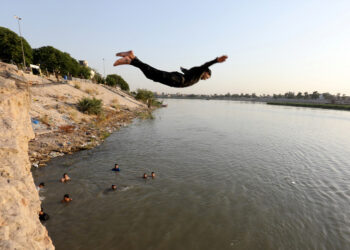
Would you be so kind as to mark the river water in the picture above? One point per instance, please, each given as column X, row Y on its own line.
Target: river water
column 230, row 175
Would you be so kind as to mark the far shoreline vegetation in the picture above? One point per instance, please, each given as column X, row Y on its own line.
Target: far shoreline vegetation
column 301, row 99
column 313, row 105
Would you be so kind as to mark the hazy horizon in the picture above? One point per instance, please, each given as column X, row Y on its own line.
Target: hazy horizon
column 273, row 47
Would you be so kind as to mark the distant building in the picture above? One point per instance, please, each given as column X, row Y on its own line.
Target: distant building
column 84, row 63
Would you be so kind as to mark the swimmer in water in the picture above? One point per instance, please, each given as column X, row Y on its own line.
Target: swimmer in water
column 66, row 199
column 114, row 187
column 40, row 186
column 65, row 178
column 153, row 175
column 43, row 216
column 116, row 168
column 144, row 176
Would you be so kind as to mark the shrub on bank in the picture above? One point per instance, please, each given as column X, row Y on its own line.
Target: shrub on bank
column 90, row 106
column 113, row 80
column 147, row 97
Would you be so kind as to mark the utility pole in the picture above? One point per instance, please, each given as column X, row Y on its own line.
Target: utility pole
column 104, row 70
column 20, row 35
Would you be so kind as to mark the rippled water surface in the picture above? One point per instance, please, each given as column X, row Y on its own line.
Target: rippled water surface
column 230, row 175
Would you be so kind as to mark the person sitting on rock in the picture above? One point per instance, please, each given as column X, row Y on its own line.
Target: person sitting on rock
column 116, row 168
column 66, row 199
column 65, row 178
column 187, row 78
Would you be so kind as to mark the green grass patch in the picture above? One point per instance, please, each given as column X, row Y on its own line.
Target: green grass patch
column 104, row 135
column 90, row 106
column 313, row 105
column 146, row 115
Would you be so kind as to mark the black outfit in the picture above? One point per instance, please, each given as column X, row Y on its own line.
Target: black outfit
column 174, row 79
column 44, row 217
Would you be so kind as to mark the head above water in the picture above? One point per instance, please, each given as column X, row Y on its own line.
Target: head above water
column 144, row 176
column 41, row 185
column 116, row 165
column 114, row 187
column 66, row 198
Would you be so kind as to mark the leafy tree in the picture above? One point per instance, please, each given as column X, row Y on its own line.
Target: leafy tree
column 144, row 95
column 327, row 96
column 315, row 95
column 54, row 60
column 147, row 97
column 306, row 95
column 11, row 49
column 98, row 78
column 84, row 72
column 113, row 80
column 289, row 95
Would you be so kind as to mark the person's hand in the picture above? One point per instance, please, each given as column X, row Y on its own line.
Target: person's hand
column 222, row 59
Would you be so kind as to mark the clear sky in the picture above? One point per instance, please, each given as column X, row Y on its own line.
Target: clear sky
column 273, row 46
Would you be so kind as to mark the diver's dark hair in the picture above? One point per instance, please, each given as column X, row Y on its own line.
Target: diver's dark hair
column 42, row 184
column 209, row 71
column 66, row 196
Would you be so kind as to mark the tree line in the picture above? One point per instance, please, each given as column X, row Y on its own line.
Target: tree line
column 288, row 95
column 50, row 59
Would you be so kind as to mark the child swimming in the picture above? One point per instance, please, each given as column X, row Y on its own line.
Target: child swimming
column 116, row 168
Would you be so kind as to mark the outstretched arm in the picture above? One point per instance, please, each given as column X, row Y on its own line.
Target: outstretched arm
column 216, row 60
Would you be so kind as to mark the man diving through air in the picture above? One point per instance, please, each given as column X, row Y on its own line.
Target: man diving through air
column 172, row 79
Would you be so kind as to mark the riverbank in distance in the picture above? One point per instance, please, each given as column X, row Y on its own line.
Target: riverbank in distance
column 313, row 105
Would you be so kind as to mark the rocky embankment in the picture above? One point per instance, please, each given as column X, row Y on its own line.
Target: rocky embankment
column 20, row 227
column 39, row 118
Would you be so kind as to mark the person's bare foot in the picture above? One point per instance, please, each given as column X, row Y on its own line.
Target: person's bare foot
column 129, row 53
column 121, row 61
